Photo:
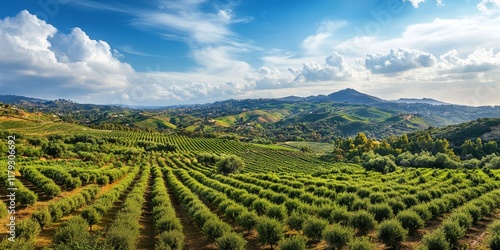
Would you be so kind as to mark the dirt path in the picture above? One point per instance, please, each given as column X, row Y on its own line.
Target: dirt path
column 476, row 235
column 194, row 239
column 45, row 237
column 147, row 233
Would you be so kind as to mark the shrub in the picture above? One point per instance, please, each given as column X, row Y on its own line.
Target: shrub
column 363, row 221
column 72, row 230
column 103, row 180
column 391, row 233
column 452, row 231
column 361, row 243
column 295, row 221
column 377, row 197
column 27, row 229
column 276, row 211
column 173, row 240
column 91, row 216
column 55, row 212
column 233, row 211
column 42, row 217
column 313, row 228
column 168, row 223
column 436, row 241
column 338, row 236
column 296, row 242
column 410, row 221
column 423, row 212
column 247, row 220
column 383, row 164
column 494, row 241
column 270, row 231
column 381, row 211
column 230, row 164
column 231, row 241
column 463, row 218
column 215, row 228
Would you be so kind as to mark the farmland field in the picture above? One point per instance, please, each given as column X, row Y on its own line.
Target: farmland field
column 140, row 190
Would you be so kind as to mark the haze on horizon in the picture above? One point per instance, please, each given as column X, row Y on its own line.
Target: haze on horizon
column 197, row 51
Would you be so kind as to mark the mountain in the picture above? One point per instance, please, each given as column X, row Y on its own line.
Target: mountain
column 12, row 99
column 343, row 96
column 354, row 97
column 423, row 100
column 320, row 118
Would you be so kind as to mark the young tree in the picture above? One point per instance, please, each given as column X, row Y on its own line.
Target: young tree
column 230, row 164
column 270, row 231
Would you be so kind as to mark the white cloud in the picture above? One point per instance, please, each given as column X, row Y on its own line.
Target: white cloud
column 415, row 3
column 323, row 40
column 397, row 61
column 489, row 7
column 35, row 54
column 480, row 60
column 335, row 69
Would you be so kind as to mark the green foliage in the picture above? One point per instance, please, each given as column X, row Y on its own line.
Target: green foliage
column 363, row 221
column 231, row 241
column 383, row 164
column 361, row 243
column 42, row 217
column 230, row 164
column 410, row 221
column 172, row 240
column 296, row 242
column 391, row 233
column 247, row 220
column 27, row 229
column 436, row 241
column 215, row 228
column 270, row 231
column 73, row 230
column 338, row 236
column 91, row 216
column 381, row 211
column 313, row 228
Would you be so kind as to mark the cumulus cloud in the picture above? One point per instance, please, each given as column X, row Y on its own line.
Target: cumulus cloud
column 323, row 38
column 269, row 78
column 397, row 61
column 481, row 60
column 36, row 59
column 335, row 69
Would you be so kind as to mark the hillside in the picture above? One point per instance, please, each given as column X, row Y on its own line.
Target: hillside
column 314, row 118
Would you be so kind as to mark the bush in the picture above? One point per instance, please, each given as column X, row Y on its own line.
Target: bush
column 233, row 211
column 215, row 228
column 452, row 231
column 296, row 242
column 173, row 240
column 391, row 233
column 338, row 236
column 383, row 164
column 103, row 180
column 313, row 228
column 493, row 241
column 276, row 212
column 295, row 221
column 72, row 230
column 436, row 241
column 247, row 220
column 27, row 229
column 361, row 243
column 410, row 221
column 42, row 217
column 91, row 216
column 270, row 231
column 230, row 164
column 463, row 218
column 231, row 241
column 381, row 211
column 363, row 221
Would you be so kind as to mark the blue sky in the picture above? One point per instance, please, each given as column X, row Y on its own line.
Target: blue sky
column 165, row 52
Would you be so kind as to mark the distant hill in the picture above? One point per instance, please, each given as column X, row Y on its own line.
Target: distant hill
column 485, row 128
column 12, row 99
column 423, row 100
column 319, row 118
column 343, row 96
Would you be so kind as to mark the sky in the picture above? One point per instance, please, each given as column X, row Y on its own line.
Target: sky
column 170, row 52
